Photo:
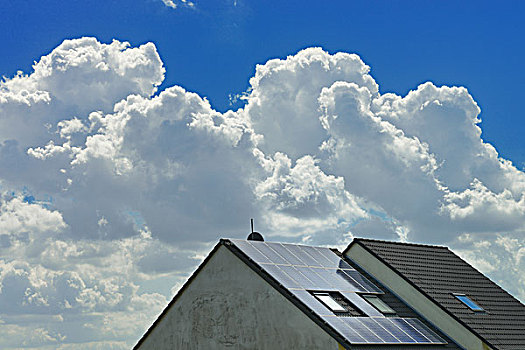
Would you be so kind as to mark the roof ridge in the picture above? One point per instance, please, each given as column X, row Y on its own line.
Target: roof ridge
column 387, row 252
column 360, row 239
column 297, row 244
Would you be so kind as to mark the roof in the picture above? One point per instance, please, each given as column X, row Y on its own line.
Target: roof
column 299, row 272
column 438, row 273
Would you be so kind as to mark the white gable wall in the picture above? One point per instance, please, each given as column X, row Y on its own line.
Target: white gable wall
column 229, row 306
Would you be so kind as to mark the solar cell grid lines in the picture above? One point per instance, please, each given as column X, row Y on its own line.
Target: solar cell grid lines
column 280, row 274
column 411, row 331
column 402, row 336
column 302, row 270
column 347, row 332
column 363, row 330
column 253, row 253
column 290, row 254
column 361, row 280
column 389, row 330
column 305, row 257
column 361, row 304
column 376, row 328
column 424, row 330
column 309, row 300
column 305, row 267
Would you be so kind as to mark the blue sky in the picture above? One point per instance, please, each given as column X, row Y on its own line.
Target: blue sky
column 140, row 132
column 212, row 49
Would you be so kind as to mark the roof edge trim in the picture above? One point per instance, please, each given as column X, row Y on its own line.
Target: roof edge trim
column 179, row 293
column 374, row 254
column 281, row 289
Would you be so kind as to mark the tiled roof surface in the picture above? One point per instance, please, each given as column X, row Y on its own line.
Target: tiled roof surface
column 258, row 255
column 403, row 310
column 439, row 272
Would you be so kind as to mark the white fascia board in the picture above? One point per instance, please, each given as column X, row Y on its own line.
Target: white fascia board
column 420, row 303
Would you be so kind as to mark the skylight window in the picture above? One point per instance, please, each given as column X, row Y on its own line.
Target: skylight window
column 378, row 304
column 326, row 299
column 467, row 301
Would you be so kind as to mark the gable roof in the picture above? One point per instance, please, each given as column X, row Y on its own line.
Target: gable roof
column 299, row 271
column 438, row 273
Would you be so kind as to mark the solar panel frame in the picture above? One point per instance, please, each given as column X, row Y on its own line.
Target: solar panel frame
column 347, row 332
column 312, row 266
column 361, row 280
column 410, row 330
column 319, row 283
column 423, row 329
column 251, row 251
column 298, row 276
column 286, row 254
column 303, row 269
column 333, row 258
column 356, row 287
column 336, row 278
column 402, row 336
column 376, row 328
column 307, row 255
column 281, row 276
column 271, row 254
column 309, row 300
column 317, row 255
column 363, row 331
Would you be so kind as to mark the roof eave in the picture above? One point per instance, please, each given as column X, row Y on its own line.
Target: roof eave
column 359, row 241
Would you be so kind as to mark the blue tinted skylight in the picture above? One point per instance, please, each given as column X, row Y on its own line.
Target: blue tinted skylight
column 467, row 301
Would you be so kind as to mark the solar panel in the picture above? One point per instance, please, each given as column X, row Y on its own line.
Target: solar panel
column 423, row 329
column 271, row 254
column 395, row 331
column 339, row 279
column 410, row 330
column 252, row 253
column 320, row 268
column 319, row 282
column 368, row 286
column 303, row 281
column 355, row 286
column 306, row 258
column 291, row 258
column 356, row 324
column 303, row 270
column 281, row 276
column 348, row 333
column 310, row 301
column 334, row 259
column 379, row 330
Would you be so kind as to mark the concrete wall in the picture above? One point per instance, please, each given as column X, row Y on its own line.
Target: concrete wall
column 229, row 306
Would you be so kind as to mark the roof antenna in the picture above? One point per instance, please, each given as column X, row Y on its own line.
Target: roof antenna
column 255, row 236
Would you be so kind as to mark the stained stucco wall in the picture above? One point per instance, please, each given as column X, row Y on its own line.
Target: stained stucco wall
column 229, row 306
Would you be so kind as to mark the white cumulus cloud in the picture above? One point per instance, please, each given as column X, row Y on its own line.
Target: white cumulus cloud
column 176, row 3
column 113, row 191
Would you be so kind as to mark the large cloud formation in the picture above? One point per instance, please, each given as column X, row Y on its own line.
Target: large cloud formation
column 111, row 191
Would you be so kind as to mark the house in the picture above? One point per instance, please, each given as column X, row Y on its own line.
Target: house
column 251, row 294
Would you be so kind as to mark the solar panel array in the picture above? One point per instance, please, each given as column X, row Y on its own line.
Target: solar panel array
column 383, row 330
column 306, row 267
column 302, row 269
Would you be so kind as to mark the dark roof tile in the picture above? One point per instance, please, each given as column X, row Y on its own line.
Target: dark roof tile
column 439, row 272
